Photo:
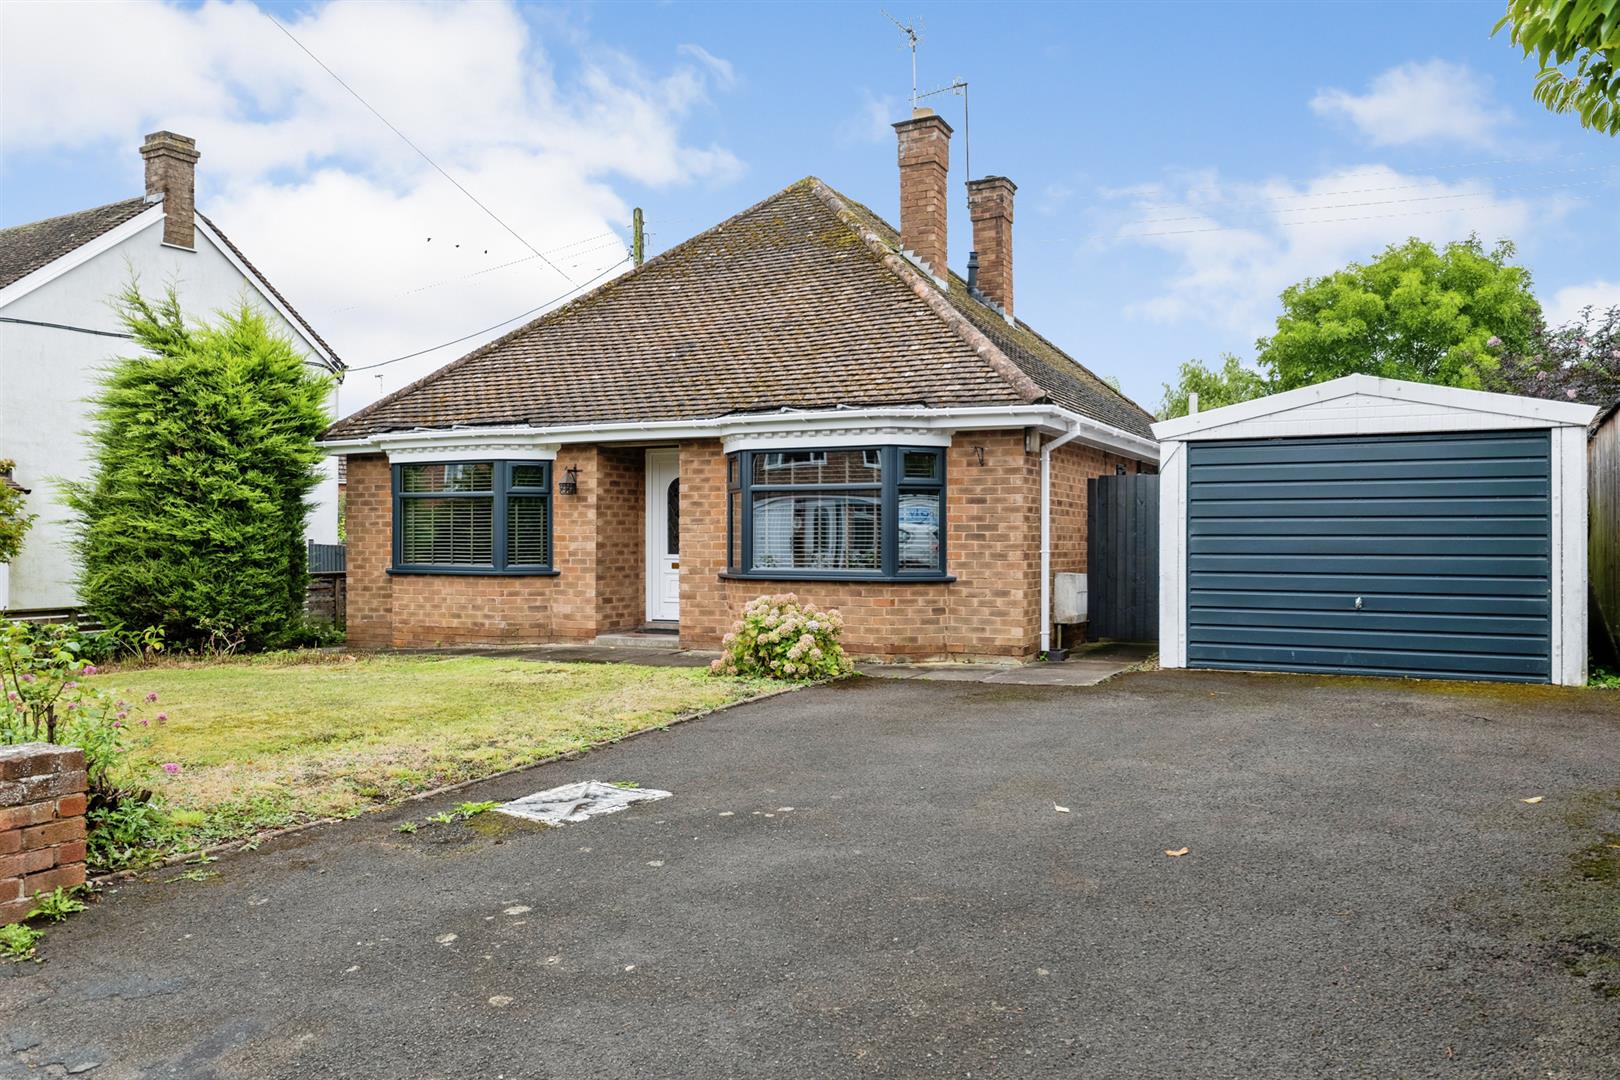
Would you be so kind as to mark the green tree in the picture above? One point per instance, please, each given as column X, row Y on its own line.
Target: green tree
column 1577, row 45
column 14, row 522
column 204, row 453
column 1412, row 313
column 1226, row 385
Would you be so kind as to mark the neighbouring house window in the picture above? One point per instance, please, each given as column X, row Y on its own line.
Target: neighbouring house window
column 862, row 512
column 473, row 517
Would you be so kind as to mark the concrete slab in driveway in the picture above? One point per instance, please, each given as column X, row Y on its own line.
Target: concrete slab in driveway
column 1362, row 897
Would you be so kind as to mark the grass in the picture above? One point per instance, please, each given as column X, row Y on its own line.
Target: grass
column 273, row 741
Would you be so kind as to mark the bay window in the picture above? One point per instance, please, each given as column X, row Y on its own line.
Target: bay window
column 845, row 513
column 473, row 517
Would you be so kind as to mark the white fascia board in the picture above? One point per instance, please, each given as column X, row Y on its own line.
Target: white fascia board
column 846, row 423
column 1528, row 412
column 267, row 293
column 82, row 254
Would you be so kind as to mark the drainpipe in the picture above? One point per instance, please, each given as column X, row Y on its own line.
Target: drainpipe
column 1046, row 533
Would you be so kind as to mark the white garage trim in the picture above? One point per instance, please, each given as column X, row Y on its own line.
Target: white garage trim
column 1362, row 405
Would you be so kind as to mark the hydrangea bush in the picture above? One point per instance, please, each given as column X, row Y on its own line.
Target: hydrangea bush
column 782, row 637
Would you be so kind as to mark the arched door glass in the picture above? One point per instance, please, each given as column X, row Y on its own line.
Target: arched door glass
column 673, row 517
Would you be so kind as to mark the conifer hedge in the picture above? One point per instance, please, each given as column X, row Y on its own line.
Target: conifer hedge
column 204, row 456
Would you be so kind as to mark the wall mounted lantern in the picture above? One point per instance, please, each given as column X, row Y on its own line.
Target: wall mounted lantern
column 569, row 484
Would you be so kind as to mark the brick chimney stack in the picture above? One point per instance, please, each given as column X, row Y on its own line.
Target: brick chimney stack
column 925, row 161
column 990, row 205
column 171, row 172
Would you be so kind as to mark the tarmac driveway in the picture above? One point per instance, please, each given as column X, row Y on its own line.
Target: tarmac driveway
column 1365, row 895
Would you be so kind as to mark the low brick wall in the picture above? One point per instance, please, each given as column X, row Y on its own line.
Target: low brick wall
column 42, row 800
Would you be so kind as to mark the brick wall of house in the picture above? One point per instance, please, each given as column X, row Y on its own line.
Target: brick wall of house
column 369, row 537
column 423, row 610
column 992, row 547
column 621, row 539
column 42, row 804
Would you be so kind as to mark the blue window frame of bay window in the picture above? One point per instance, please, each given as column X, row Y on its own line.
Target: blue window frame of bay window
column 840, row 513
column 479, row 517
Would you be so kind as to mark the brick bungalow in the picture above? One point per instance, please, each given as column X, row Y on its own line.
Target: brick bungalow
column 800, row 398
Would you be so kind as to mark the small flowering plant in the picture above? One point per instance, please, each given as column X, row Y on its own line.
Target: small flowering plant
column 782, row 637
column 46, row 696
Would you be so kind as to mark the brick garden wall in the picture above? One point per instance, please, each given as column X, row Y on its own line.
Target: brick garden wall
column 42, row 804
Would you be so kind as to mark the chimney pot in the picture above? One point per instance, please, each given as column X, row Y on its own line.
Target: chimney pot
column 171, row 173
column 925, row 160
column 990, row 205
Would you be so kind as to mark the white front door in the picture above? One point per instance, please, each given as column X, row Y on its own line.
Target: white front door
column 663, row 536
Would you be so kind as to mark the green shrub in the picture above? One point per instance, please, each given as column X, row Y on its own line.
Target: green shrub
column 14, row 522
column 780, row 637
column 47, row 695
column 204, row 453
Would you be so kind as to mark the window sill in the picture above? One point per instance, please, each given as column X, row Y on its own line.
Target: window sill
column 837, row 578
column 469, row 571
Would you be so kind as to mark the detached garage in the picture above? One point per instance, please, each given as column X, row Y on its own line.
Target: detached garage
column 1368, row 526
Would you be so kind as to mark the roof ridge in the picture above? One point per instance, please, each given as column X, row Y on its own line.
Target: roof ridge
column 557, row 312
column 925, row 290
column 73, row 213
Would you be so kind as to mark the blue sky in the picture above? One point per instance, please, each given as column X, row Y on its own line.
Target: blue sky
column 1177, row 164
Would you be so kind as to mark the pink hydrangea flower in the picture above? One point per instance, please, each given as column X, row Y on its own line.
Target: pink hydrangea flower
column 151, row 697
column 89, row 669
column 171, row 767
column 163, row 718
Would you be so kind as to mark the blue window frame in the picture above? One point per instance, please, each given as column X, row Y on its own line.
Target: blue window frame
column 473, row 517
column 837, row 513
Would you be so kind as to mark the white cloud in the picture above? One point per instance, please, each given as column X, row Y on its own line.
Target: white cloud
column 1236, row 245
column 1566, row 305
column 1419, row 102
column 723, row 72
column 334, row 207
column 874, row 119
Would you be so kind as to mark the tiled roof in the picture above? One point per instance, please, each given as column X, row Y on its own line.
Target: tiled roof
column 801, row 301
column 26, row 248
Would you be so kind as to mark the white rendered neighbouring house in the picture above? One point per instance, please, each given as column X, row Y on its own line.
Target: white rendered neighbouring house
column 58, row 329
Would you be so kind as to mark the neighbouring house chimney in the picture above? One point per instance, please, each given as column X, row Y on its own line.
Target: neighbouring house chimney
column 171, row 172
column 990, row 205
column 925, row 161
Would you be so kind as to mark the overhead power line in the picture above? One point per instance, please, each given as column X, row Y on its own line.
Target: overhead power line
column 497, row 326
column 498, row 266
column 424, row 155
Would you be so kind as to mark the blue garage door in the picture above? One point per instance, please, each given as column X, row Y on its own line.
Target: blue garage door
column 1423, row 555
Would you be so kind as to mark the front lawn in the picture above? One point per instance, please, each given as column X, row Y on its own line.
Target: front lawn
column 271, row 741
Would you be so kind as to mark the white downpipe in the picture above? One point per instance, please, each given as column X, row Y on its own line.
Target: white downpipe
column 1046, row 533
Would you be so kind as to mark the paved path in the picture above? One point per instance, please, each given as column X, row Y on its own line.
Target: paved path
column 1362, row 897
column 1088, row 666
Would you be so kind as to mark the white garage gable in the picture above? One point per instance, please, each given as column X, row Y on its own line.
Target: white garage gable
column 1376, row 526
